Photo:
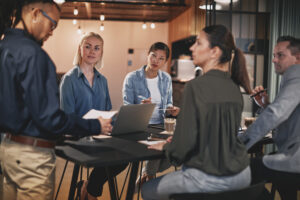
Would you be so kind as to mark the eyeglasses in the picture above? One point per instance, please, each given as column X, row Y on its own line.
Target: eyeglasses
column 54, row 23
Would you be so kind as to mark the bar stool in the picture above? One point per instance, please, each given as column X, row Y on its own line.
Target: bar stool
column 253, row 192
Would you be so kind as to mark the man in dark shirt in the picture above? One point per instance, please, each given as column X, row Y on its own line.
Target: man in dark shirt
column 29, row 104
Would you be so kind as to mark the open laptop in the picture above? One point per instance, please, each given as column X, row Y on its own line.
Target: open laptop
column 132, row 118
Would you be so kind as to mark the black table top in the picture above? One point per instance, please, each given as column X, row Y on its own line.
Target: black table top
column 109, row 151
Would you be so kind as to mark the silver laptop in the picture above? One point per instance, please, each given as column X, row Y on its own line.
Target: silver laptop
column 132, row 118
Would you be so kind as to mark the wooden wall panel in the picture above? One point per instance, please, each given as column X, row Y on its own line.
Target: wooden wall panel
column 188, row 23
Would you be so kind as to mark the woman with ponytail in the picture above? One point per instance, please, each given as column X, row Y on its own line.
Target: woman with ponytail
column 30, row 114
column 205, row 140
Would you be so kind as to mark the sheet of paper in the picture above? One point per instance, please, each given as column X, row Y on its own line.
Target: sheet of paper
column 95, row 114
column 166, row 133
column 101, row 136
column 148, row 143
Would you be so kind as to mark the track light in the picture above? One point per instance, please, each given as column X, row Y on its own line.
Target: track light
column 59, row 1
column 102, row 18
column 144, row 26
column 152, row 25
column 102, row 27
column 75, row 11
column 79, row 30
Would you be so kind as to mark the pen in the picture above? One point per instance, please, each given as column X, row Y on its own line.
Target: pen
column 257, row 93
column 142, row 97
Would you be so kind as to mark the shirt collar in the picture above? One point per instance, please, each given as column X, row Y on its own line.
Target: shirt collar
column 80, row 73
column 142, row 70
column 219, row 73
column 14, row 31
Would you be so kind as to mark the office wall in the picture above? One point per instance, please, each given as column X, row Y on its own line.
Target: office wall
column 118, row 37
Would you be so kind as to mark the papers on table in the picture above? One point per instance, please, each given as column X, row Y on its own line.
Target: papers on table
column 148, row 143
column 95, row 114
column 166, row 133
column 96, row 137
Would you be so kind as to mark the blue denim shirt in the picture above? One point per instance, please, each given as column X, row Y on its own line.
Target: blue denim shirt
column 77, row 96
column 29, row 102
column 135, row 89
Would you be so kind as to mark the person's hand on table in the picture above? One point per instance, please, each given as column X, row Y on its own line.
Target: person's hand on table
column 262, row 98
column 159, row 146
column 106, row 126
column 146, row 101
column 173, row 110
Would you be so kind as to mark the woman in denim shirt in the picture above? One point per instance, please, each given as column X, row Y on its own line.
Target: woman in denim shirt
column 151, row 85
column 83, row 88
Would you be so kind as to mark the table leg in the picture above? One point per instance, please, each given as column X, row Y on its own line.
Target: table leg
column 112, row 185
column 61, row 179
column 132, row 179
column 73, row 182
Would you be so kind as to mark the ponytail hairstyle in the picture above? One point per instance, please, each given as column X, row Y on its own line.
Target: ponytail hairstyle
column 11, row 12
column 218, row 35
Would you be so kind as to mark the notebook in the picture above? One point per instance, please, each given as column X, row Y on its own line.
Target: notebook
column 132, row 118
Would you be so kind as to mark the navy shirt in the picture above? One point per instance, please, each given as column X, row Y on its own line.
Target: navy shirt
column 29, row 102
column 77, row 96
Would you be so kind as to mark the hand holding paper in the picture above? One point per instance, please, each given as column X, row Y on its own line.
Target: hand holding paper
column 104, row 118
column 106, row 126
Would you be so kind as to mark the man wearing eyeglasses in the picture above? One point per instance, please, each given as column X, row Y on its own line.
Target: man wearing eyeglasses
column 30, row 115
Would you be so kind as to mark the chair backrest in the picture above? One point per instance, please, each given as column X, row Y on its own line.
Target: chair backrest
column 253, row 192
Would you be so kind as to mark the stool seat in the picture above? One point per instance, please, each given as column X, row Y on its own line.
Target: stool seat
column 253, row 192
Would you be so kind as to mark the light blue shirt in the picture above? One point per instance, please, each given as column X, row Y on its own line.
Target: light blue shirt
column 77, row 96
column 135, row 89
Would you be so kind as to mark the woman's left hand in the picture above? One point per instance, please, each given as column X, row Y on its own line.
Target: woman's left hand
column 159, row 146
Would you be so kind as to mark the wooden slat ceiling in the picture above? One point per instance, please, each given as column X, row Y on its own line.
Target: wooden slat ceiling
column 142, row 10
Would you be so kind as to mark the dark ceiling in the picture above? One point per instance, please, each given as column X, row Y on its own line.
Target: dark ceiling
column 134, row 10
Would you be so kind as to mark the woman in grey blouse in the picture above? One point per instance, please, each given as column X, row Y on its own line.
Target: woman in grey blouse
column 205, row 139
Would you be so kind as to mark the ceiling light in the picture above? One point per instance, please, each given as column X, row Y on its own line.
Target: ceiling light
column 74, row 21
column 59, row 1
column 225, row 1
column 102, row 17
column 210, row 7
column 75, row 11
column 102, row 27
column 79, row 30
column 152, row 25
column 144, row 26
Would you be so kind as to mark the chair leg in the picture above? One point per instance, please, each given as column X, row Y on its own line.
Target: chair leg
column 273, row 191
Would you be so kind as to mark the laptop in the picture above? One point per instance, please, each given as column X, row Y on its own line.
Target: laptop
column 132, row 118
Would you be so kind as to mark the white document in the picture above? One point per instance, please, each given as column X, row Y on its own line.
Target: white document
column 148, row 143
column 95, row 114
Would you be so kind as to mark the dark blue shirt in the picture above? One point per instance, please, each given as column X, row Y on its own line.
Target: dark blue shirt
column 29, row 102
column 77, row 96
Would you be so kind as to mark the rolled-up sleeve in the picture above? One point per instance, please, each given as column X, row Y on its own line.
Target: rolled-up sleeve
column 128, row 90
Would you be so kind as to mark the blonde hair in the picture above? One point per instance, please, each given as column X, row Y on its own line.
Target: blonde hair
column 78, row 56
